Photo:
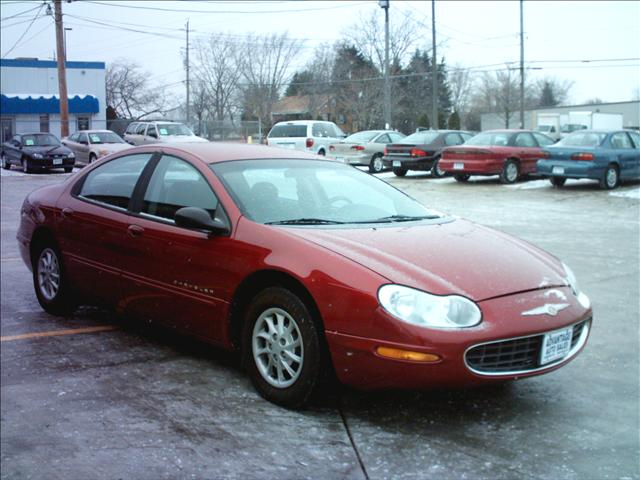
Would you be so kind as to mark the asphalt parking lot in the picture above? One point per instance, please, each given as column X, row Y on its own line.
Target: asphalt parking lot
column 92, row 396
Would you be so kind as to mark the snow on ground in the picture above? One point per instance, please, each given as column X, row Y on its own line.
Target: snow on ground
column 627, row 193
column 19, row 173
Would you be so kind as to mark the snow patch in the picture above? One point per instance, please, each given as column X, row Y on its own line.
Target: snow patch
column 633, row 193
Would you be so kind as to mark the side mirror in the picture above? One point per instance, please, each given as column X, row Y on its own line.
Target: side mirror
column 199, row 219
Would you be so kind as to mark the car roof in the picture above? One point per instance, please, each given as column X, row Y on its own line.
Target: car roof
column 94, row 131
column 217, row 152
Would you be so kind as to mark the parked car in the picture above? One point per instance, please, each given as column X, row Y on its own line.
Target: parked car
column 422, row 151
column 36, row 151
column 606, row 156
column 508, row 153
column 305, row 135
column 141, row 133
column 90, row 145
column 365, row 148
column 301, row 264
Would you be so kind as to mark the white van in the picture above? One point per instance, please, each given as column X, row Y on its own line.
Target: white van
column 306, row 135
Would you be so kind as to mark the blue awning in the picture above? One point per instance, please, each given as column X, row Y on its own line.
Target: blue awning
column 15, row 104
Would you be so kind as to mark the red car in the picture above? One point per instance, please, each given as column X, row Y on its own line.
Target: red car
column 304, row 265
column 508, row 153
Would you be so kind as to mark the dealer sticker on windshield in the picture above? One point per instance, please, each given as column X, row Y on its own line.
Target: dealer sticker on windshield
column 458, row 166
column 556, row 345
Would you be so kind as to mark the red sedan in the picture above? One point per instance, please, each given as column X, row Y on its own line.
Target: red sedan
column 508, row 153
column 304, row 265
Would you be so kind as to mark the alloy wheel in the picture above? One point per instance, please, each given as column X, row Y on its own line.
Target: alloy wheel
column 48, row 274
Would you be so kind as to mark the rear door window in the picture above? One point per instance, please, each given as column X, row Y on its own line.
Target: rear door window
column 453, row 139
column 383, row 139
column 636, row 139
column 525, row 140
column 543, row 140
column 113, row 183
column 620, row 140
column 141, row 128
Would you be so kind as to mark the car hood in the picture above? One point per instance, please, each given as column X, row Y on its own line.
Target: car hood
column 450, row 257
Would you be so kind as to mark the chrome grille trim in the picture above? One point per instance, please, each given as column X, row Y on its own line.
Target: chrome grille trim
column 576, row 345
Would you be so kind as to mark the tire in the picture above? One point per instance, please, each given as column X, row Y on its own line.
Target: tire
column 462, row 177
column 26, row 167
column 322, row 153
column 436, row 171
column 92, row 158
column 52, row 288
column 610, row 178
column 265, row 351
column 399, row 172
column 376, row 165
column 68, row 169
column 510, row 172
column 557, row 181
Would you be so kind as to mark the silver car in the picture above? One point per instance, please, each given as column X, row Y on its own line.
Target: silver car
column 365, row 148
column 90, row 145
column 142, row 133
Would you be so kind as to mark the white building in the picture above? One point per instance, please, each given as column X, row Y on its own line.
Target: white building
column 29, row 100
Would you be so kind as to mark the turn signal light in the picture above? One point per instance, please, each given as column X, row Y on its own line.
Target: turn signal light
column 386, row 152
column 399, row 354
column 357, row 147
column 582, row 156
column 309, row 142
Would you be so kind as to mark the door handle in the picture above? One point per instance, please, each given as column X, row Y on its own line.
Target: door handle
column 67, row 212
column 135, row 231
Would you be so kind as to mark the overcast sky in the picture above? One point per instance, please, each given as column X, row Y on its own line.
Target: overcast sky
column 596, row 45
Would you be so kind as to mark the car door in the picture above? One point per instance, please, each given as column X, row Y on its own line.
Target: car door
column 93, row 226
column 12, row 150
column 83, row 148
column 179, row 276
column 625, row 153
column 635, row 137
column 528, row 152
column 380, row 143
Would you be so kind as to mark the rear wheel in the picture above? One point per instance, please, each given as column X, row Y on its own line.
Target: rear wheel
column 5, row 162
column 52, row 289
column 436, row 171
column 510, row 172
column 376, row 165
column 610, row 178
column 399, row 172
column 462, row 177
column 281, row 347
column 557, row 181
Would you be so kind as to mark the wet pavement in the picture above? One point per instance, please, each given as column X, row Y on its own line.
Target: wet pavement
column 133, row 401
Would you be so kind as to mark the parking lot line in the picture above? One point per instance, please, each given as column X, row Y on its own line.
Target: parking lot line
column 55, row 333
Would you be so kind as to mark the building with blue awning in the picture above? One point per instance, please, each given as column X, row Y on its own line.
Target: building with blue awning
column 29, row 98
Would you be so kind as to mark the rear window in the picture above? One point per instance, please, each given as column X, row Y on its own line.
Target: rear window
column 493, row 139
column 582, row 139
column 421, row 137
column 281, row 131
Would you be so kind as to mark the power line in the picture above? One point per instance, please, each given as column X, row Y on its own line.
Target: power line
column 25, row 32
column 21, row 13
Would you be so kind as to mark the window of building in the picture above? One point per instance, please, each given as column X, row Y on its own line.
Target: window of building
column 44, row 123
column 83, row 123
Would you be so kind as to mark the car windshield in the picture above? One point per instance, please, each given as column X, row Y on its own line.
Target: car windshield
column 494, row 139
column 422, row 138
column 309, row 192
column 174, row 129
column 104, row 137
column 283, row 131
column 362, row 137
column 40, row 140
column 582, row 139
column 545, row 128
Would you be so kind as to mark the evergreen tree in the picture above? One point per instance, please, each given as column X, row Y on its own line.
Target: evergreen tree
column 547, row 96
column 454, row 121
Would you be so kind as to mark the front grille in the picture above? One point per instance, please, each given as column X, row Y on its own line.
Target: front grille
column 516, row 355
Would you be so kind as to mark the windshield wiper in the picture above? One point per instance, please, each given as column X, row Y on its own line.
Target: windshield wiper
column 402, row 218
column 305, row 221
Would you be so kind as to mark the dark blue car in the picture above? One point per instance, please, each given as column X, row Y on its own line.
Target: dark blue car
column 603, row 155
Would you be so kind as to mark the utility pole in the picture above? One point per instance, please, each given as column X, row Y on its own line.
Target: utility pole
column 384, row 4
column 62, row 74
column 188, row 100
column 434, row 73
column 521, row 65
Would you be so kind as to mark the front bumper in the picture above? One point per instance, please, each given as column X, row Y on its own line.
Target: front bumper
column 358, row 364
column 471, row 166
column 569, row 169
column 49, row 162
column 419, row 163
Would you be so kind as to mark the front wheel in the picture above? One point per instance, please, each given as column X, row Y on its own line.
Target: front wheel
column 26, row 167
column 376, row 165
column 281, row 347
column 610, row 178
column 52, row 290
column 510, row 172
column 462, row 177
column 92, row 158
column 557, row 181
column 399, row 172
column 5, row 162
column 68, row 169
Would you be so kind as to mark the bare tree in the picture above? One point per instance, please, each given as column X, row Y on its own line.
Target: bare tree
column 199, row 104
column 128, row 93
column 367, row 35
column 265, row 68
column 218, row 70
column 461, row 85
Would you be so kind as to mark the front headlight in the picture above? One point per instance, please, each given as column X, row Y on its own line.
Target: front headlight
column 573, row 283
column 103, row 152
column 426, row 310
column 37, row 155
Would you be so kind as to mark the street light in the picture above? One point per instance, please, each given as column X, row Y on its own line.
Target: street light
column 387, row 86
column 65, row 42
